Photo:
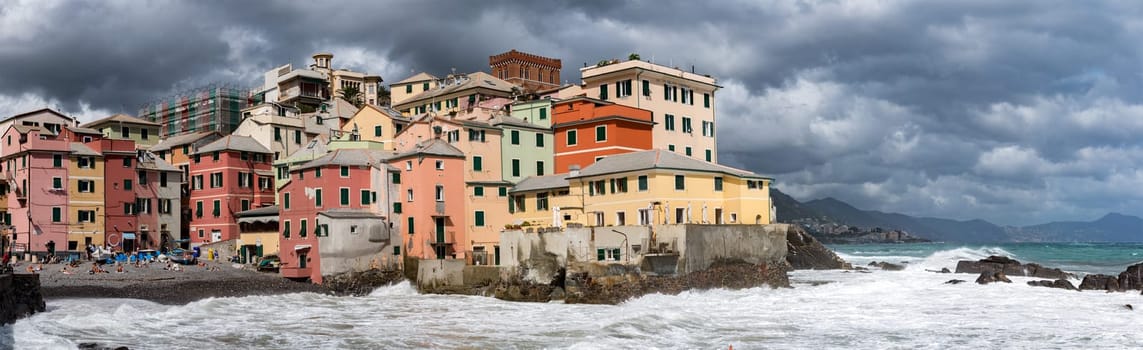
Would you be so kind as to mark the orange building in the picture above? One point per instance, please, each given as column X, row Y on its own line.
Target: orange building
column 587, row 129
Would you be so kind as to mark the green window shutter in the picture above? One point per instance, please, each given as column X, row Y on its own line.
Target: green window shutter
column 57, row 214
column 396, row 178
column 198, row 209
column 302, row 232
column 479, row 219
column 317, row 172
column 511, row 205
column 539, row 139
column 217, row 208
column 127, row 184
column 615, row 253
column 425, row 86
column 213, row 156
column 603, row 92
column 411, row 230
column 680, row 182
column 408, row 88
column 503, row 191
column 286, row 230
column 706, row 100
column 57, row 182
column 396, row 250
column 601, row 254
column 377, row 131
column 57, row 160
column 671, row 148
column 666, row 92
column 572, row 138
column 317, row 197
column 365, row 197
column 277, row 134
column 344, row 196
column 646, row 88
column 396, row 208
column 543, row 113
column 718, row 184
column 601, row 133
column 477, row 163
column 515, row 137
column 478, row 191
column 643, row 182
column 688, row 150
column 708, row 155
column 516, row 167
column 344, row 171
column 437, row 105
column 539, row 168
column 612, row 183
column 285, row 201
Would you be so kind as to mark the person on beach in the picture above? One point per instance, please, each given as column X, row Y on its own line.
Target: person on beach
column 119, row 268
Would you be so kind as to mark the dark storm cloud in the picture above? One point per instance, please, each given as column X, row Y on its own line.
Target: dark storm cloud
column 964, row 109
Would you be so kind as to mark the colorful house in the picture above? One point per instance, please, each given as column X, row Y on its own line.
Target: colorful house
column 259, row 232
column 34, row 166
column 53, row 122
column 644, row 188
column 587, row 129
column 158, row 196
column 375, row 124
column 120, row 216
column 529, row 145
column 336, row 215
column 227, row 176
column 85, row 197
column 683, row 102
column 125, row 127
column 454, row 94
column 411, row 86
column 431, row 175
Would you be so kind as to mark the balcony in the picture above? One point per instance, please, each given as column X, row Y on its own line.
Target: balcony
column 442, row 238
column 295, row 272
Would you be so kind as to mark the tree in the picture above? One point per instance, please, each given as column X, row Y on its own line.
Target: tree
column 633, row 57
column 351, row 94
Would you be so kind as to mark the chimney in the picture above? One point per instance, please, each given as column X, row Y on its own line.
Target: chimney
column 573, row 170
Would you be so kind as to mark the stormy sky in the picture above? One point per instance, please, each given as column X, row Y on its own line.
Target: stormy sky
column 1016, row 112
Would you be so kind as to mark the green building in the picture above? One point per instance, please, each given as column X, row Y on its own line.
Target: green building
column 527, row 147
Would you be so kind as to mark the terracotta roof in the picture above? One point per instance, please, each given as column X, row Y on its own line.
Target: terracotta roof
column 119, row 118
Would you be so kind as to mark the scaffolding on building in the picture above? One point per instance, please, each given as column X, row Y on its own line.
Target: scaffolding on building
column 213, row 107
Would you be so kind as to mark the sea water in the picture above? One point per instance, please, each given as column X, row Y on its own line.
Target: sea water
column 906, row 309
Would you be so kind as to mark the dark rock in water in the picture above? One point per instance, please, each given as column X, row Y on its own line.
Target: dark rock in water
column 557, row 294
column 992, row 276
column 361, row 283
column 1100, row 282
column 1132, row 278
column 859, row 268
column 887, row 266
column 1010, row 267
column 97, row 346
column 806, row 253
column 1060, row 283
column 955, row 281
column 1128, row 306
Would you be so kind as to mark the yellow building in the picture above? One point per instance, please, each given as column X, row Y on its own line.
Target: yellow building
column 85, row 198
column 376, row 124
column 643, row 188
column 258, row 234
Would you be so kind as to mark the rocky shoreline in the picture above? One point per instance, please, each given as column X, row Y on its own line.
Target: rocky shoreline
column 997, row 269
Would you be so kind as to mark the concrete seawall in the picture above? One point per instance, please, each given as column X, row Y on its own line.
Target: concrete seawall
column 19, row 296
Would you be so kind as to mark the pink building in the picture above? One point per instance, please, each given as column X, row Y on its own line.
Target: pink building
column 346, row 191
column 431, row 197
column 121, row 224
column 34, row 163
column 229, row 175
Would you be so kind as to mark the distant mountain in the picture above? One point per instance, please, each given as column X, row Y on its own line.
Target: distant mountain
column 833, row 215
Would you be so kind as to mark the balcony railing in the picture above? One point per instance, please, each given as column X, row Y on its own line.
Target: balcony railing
column 442, row 238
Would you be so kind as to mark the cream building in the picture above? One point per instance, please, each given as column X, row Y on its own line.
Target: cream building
column 683, row 102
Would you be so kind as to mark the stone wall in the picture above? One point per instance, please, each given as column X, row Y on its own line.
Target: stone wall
column 19, row 297
column 368, row 248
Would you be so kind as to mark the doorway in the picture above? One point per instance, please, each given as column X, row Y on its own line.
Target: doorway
column 440, row 242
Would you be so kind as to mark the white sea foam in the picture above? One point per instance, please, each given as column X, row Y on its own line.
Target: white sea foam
column 881, row 309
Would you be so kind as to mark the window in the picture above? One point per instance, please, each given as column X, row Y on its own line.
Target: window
column 344, row 194
column 642, row 183
column 411, row 230
column 440, row 193
column 57, row 183
column 57, row 160
column 215, row 155
column 539, row 168
column 143, row 206
column 718, row 184
column 57, row 214
column 302, row 229
column 128, row 208
column 377, row 131
column 245, row 180
column 317, row 197
column 125, row 132
column 540, row 140
column 647, row 88
column 396, row 178
column 708, row 155
column 277, row 134
column 502, row 191
column 297, row 137
column 344, row 171
column 687, row 125
column 408, row 165
column 127, row 185
column 86, row 186
column 285, row 229
column 623, row 88
column 396, row 207
column 669, row 122
column 243, row 155
column 198, row 209
column 409, row 88
column 671, row 148
column 680, row 182
column 644, row 216
column 164, row 206
column 542, row 201
column 409, row 195
column 478, row 218
column 707, row 128
column 687, row 94
column 317, row 172
column 197, row 158
column 706, row 100
column 216, row 180
column 162, row 179
column 733, row 217
column 601, row 133
column 478, row 191
column 515, row 137
column 603, row 92
column 126, row 162
column 217, row 211
column 440, row 165
column 572, row 138
column 688, row 151
column 516, row 168
column 144, row 133
column 196, row 182
column 543, row 113
column 620, row 218
column 477, row 163
column 285, row 200
column 425, row 86
column 366, row 197
column 598, row 216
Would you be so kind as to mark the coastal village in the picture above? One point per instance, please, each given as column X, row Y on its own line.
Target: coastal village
column 320, row 171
